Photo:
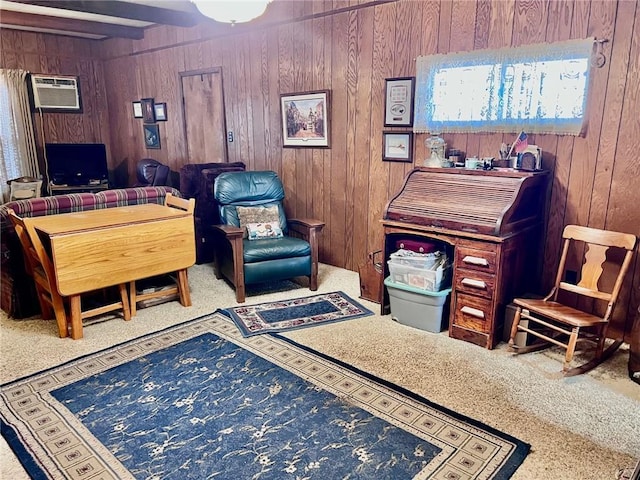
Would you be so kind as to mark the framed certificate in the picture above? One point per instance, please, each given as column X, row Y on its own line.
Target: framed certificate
column 398, row 104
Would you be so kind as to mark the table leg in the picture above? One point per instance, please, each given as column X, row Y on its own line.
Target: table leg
column 76, row 317
column 132, row 298
column 183, row 288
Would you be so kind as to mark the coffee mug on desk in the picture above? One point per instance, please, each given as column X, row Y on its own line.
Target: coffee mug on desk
column 473, row 163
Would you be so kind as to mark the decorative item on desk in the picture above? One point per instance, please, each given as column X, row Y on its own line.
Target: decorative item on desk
column 437, row 146
column 530, row 159
column 503, row 161
column 456, row 157
column 472, row 163
column 520, row 145
column 504, row 151
column 487, row 163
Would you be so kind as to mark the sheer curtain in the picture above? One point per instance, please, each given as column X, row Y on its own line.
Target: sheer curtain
column 18, row 156
column 537, row 88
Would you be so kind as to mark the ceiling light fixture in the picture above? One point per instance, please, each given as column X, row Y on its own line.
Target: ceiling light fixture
column 231, row 11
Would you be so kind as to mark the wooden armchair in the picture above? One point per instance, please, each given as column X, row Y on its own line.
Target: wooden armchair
column 256, row 242
column 556, row 323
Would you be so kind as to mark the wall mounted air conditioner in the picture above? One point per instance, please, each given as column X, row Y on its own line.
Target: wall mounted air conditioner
column 56, row 93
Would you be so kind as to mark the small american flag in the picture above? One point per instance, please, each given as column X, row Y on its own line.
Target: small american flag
column 521, row 143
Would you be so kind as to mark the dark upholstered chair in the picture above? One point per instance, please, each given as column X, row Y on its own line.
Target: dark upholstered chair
column 152, row 173
column 196, row 181
column 256, row 242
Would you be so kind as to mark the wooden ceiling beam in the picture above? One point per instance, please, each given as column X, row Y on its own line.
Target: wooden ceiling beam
column 117, row 8
column 10, row 18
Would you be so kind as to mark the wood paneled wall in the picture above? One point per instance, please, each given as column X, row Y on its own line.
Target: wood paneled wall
column 350, row 48
column 52, row 54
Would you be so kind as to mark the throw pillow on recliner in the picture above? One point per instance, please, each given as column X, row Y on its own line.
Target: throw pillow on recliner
column 247, row 215
column 257, row 231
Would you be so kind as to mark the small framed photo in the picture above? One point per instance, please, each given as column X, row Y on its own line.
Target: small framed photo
column 148, row 112
column 137, row 109
column 398, row 103
column 151, row 136
column 397, row 146
column 160, row 110
column 305, row 119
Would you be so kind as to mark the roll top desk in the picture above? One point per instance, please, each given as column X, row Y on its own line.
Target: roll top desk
column 490, row 223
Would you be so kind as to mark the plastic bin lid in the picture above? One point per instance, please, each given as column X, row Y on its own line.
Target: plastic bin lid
column 401, row 286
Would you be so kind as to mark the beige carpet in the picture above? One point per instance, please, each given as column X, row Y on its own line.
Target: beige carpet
column 585, row 427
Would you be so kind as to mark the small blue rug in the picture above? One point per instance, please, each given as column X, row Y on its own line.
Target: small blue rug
column 199, row 401
column 284, row 315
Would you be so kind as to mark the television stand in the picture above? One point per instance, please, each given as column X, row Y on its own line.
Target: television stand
column 89, row 188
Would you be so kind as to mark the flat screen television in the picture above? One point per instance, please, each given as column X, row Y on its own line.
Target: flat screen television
column 76, row 163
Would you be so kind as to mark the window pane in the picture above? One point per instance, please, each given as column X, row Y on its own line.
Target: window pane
column 539, row 88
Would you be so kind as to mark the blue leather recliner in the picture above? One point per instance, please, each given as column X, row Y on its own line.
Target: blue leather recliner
column 255, row 241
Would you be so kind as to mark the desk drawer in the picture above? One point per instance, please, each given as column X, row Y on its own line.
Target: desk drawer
column 473, row 312
column 474, row 282
column 473, row 259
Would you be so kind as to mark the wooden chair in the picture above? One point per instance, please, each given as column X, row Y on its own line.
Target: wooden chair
column 38, row 263
column 555, row 323
column 181, row 288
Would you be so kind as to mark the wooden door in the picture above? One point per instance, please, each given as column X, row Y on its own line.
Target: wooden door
column 203, row 104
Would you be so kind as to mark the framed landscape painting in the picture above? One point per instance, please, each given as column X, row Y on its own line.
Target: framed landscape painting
column 305, row 119
column 397, row 146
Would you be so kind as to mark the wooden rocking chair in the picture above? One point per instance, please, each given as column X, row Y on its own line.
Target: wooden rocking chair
column 555, row 323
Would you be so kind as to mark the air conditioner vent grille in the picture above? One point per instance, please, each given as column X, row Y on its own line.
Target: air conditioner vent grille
column 59, row 93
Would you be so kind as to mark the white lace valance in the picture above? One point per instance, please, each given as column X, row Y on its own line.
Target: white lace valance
column 538, row 88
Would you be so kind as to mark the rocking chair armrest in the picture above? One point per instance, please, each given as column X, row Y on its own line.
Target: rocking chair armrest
column 229, row 231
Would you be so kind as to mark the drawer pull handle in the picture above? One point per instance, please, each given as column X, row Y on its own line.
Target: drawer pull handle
column 474, row 312
column 476, row 261
column 470, row 282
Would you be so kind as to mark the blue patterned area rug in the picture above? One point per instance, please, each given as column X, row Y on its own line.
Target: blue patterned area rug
column 200, row 401
column 303, row 312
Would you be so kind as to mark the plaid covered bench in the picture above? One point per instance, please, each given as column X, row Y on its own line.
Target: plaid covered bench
column 17, row 292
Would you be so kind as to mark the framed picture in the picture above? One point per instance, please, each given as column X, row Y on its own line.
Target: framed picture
column 137, row 109
column 398, row 103
column 397, row 146
column 148, row 112
column 305, row 119
column 151, row 135
column 160, row 110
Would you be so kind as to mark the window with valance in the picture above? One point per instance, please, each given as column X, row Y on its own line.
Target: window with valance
column 537, row 88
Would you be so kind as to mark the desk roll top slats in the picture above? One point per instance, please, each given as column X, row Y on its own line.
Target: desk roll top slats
column 492, row 203
column 491, row 222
